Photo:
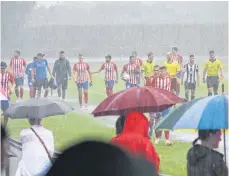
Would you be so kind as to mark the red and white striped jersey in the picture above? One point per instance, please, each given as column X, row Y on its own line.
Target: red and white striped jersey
column 110, row 70
column 139, row 61
column 81, row 68
column 5, row 79
column 132, row 70
column 177, row 58
column 18, row 66
column 162, row 82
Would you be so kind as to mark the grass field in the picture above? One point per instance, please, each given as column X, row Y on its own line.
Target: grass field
column 73, row 127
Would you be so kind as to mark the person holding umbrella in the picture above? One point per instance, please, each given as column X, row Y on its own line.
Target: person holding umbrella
column 5, row 78
column 203, row 159
column 39, row 139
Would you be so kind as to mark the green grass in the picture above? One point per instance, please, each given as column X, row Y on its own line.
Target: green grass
column 73, row 127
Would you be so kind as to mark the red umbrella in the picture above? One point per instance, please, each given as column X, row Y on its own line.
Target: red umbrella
column 141, row 99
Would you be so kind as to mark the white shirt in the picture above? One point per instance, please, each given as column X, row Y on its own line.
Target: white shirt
column 34, row 157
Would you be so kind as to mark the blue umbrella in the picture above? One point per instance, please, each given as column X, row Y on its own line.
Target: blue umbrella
column 202, row 113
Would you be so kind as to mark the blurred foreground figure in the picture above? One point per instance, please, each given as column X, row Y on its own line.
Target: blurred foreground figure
column 37, row 150
column 99, row 159
column 134, row 138
column 203, row 160
column 4, row 146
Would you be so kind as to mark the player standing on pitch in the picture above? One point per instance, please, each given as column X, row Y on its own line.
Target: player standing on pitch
column 192, row 77
column 111, row 74
column 18, row 65
column 132, row 70
column 81, row 71
column 61, row 73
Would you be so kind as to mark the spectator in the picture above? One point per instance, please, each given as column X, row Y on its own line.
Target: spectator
column 120, row 124
column 134, row 138
column 4, row 158
column 34, row 149
column 203, row 159
column 92, row 158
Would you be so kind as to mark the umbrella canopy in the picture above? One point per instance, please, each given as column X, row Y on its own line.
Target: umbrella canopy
column 37, row 108
column 141, row 99
column 3, row 95
column 202, row 113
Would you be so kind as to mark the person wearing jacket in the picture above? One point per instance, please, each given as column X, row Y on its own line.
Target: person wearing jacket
column 135, row 140
column 61, row 71
column 203, row 160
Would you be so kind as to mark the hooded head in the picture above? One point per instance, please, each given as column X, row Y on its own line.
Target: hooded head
column 137, row 123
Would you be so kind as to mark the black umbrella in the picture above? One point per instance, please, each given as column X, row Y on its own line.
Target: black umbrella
column 37, row 108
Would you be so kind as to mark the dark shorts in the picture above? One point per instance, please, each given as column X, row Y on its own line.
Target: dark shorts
column 174, row 84
column 19, row 81
column 38, row 84
column 83, row 86
column 63, row 83
column 4, row 105
column 190, row 86
column 213, row 82
column 109, row 83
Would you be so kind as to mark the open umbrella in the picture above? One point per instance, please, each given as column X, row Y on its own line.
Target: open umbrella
column 202, row 114
column 37, row 108
column 141, row 99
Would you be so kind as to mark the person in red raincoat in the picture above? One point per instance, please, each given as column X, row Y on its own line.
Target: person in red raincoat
column 135, row 140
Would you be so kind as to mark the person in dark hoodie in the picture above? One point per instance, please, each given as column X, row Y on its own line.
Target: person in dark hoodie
column 62, row 72
column 120, row 124
column 202, row 159
column 135, row 140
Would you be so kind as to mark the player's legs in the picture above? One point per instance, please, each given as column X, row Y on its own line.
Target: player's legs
column 151, row 123
column 110, row 87
column 85, row 88
column 186, row 88
column 31, row 89
column 193, row 90
column 37, row 86
column 128, row 85
column 167, row 139
column 79, row 87
column 174, row 85
column 209, row 85
column 215, row 85
column 64, row 87
column 107, row 87
column 17, row 84
column 178, row 84
column 46, row 87
column 21, row 87
column 59, row 90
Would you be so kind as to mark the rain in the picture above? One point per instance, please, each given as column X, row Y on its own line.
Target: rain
column 96, row 29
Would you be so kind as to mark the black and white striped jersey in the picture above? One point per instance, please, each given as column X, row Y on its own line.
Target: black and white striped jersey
column 191, row 71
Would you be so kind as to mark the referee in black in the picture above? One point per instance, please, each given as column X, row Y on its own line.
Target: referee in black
column 191, row 76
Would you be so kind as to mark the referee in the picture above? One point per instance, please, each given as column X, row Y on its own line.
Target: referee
column 148, row 66
column 191, row 76
column 212, row 68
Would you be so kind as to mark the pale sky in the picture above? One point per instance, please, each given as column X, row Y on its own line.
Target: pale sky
column 46, row 3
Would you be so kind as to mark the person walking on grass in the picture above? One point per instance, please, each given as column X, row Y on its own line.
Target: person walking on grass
column 138, row 61
column 5, row 79
column 148, row 66
column 132, row 70
column 38, row 139
column 203, row 159
column 39, row 75
column 192, row 77
column 212, row 68
column 162, row 80
column 173, row 68
column 111, row 74
column 81, row 71
column 17, row 66
column 62, row 73
column 28, row 71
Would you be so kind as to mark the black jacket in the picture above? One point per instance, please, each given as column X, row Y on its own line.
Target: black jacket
column 61, row 69
column 203, row 161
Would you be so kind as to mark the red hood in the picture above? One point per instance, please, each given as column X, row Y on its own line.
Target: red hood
column 136, row 122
